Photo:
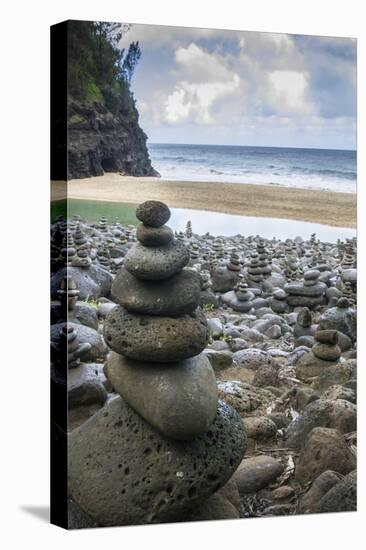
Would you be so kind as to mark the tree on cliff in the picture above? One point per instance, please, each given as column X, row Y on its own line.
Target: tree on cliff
column 98, row 69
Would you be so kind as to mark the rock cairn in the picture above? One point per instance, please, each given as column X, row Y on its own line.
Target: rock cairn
column 308, row 293
column 239, row 299
column 326, row 346
column 278, row 301
column 254, row 270
column 167, row 442
column 189, row 231
column 234, row 261
column 303, row 325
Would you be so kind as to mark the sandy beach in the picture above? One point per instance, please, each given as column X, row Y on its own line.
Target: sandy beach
column 273, row 201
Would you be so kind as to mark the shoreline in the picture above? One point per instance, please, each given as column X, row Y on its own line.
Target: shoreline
column 268, row 201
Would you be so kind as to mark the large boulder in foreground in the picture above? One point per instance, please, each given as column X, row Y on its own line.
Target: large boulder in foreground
column 123, row 472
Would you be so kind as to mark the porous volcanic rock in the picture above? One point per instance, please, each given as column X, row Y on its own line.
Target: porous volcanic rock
column 123, row 472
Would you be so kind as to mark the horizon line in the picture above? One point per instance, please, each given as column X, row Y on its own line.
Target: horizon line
column 259, row 146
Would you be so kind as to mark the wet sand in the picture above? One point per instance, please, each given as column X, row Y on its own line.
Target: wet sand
column 269, row 201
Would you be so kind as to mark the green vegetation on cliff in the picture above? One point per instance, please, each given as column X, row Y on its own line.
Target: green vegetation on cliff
column 99, row 71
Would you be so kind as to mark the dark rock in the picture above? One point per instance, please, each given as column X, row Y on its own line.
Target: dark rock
column 338, row 414
column 82, row 313
column 92, row 282
column 283, row 493
column 252, row 358
column 304, row 396
column 224, row 279
column 216, row 507
column 85, row 335
column 171, row 297
column 338, row 318
column 340, row 392
column 231, row 493
column 99, row 141
column 219, row 360
column 154, row 236
column 342, row 497
column 157, row 339
column 338, row 373
column 76, row 518
column 153, row 213
column 324, row 449
column 260, row 427
column 237, row 344
column 156, row 263
column 244, row 398
column 123, row 472
column 182, row 400
column 326, row 352
column 208, row 298
column 86, row 385
column 256, row 473
column 307, row 341
column 265, row 376
column 323, row 483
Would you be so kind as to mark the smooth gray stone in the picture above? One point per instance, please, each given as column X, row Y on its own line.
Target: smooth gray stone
column 154, row 236
column 180, row 399
column 153, row 213
column 338, row 414
column 342, row 497
column 324, row 449
column 341, row 319
column 231, row 300
column 85, row 335
column 256, row 473
column 297, row 289
column 92, row 282
column 86, row 385
column 305, row 301
column 123, row 472
column 156, row 263
column 157, row 339
column 174, row 296
column 252, row 358
column 321, row 485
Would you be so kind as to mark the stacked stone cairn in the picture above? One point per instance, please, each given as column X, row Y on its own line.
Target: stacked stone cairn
column 239, row 299
column 326, row 346
column 234, row 261
column 254, row 273
column 189, row 232
column 166, row 443
column 68, row 249
column 307, row 293
column 263, row 259
column 278, row 301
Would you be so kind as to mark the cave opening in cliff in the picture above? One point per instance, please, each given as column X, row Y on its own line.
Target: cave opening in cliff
column 109, row 165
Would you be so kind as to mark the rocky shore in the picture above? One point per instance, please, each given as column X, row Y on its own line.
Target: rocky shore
column 208, row 377
column 99, row 142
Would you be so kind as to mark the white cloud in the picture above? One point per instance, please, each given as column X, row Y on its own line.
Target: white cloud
column 193, row 101
column 289, row 92
column 207, row 80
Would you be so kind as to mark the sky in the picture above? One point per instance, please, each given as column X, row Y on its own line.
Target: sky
column 245, row 88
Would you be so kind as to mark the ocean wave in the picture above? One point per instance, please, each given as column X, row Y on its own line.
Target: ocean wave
column 342, row 174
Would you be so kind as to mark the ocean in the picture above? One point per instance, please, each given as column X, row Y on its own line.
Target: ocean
column 330, row 169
